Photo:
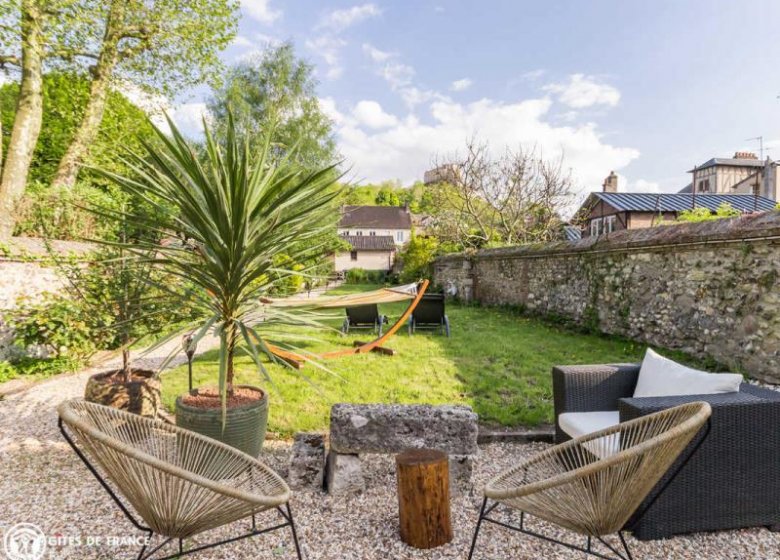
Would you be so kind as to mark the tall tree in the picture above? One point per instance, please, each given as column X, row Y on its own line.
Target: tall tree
column 65, row 97
column 158, row 45
column 32, row 19
column 276, row 87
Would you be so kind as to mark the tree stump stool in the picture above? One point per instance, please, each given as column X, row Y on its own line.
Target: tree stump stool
column 424, row 497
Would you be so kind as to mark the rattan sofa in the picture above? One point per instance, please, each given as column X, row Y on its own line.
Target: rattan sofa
column 729, row 477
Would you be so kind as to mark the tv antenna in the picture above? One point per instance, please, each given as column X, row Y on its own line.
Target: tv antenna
column 760, row 145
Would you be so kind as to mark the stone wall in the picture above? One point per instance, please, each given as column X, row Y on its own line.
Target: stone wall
column 710, row 289
column 26, row 271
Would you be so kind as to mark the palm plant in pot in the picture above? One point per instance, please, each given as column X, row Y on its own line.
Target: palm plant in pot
column 232, row 212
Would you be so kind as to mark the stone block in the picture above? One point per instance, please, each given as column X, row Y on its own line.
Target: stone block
column 379, row 428
column 344, row 474
column 307, row 462
column 461, row 470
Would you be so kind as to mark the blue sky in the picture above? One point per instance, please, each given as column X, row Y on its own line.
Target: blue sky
column 645, row 88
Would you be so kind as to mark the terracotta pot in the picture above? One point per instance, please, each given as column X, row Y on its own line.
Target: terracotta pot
column 245, row 425
column 140, row 396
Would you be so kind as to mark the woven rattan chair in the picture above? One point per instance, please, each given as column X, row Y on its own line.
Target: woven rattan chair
column 180, row 483
column 591, row 485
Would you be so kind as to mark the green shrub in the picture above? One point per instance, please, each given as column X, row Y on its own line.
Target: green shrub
column 7, row 371
column 361, row 276
column 109, row 303
column 725, row 210
column 60, row 214
column 417, row 258
column 57, row 324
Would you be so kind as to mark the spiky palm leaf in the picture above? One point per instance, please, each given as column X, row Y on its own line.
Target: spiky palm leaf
column 233, row 212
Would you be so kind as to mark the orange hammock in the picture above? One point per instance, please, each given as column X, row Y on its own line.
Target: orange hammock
column 384, row 295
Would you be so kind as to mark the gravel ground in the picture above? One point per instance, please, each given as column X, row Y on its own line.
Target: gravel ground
column 43, row 482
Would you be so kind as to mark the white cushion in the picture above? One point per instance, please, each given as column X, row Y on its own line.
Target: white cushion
column 578, row 424
column 660, row 377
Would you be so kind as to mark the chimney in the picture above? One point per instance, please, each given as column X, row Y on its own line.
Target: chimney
column 745, row 155
column 611, row 182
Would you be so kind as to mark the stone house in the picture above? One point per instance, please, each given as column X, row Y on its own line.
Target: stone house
column 375, row 234
column 610, row 210
column 447, row 173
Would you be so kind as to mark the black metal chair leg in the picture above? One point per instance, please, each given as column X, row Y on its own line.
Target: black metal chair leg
column 625, row 545
column 476, row 530
column 294, row 533
column 143, row 549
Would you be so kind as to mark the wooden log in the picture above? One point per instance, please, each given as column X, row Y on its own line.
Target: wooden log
column 424, row 497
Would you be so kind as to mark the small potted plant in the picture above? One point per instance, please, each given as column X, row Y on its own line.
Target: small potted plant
column 116, row 290
column 232, row 211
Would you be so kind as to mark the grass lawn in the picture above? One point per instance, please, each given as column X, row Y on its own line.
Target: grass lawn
column 496, row 360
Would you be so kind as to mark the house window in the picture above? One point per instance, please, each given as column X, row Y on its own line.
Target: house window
column 353, row 255
column 595, row 227
column 609, row 224
column 399, row 236
column 704, row 185
column 360, row 233
column 371, row 233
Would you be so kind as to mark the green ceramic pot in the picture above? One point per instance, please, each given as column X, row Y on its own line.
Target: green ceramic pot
column 245, row 425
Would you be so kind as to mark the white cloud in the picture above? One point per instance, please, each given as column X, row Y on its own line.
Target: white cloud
column 189, row 118
column 260, row 10
column 397, row 74
column 405, row 149
column 413, row 96
column 460, row 85
column 329, row 48
column 583, row 91
column 338, row 20
column 533, row 75
column 376, row 54
column 241, row 41
column 371, row 114
column 328, row 106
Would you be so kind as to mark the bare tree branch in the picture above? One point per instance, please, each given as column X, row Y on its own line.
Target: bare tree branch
column 514, row 198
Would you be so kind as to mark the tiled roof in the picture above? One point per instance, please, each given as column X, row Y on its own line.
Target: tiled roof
column 370, row 242
column 573, row 233
column 686, row 189
column 667, row 202
column 741, row 162
column 385, row 217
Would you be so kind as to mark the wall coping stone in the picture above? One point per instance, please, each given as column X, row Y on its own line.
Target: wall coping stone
column 34, row 248
column 765, row 225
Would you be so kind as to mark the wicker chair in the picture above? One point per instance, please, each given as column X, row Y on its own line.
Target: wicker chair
column 591, row 485
column 180, row 483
